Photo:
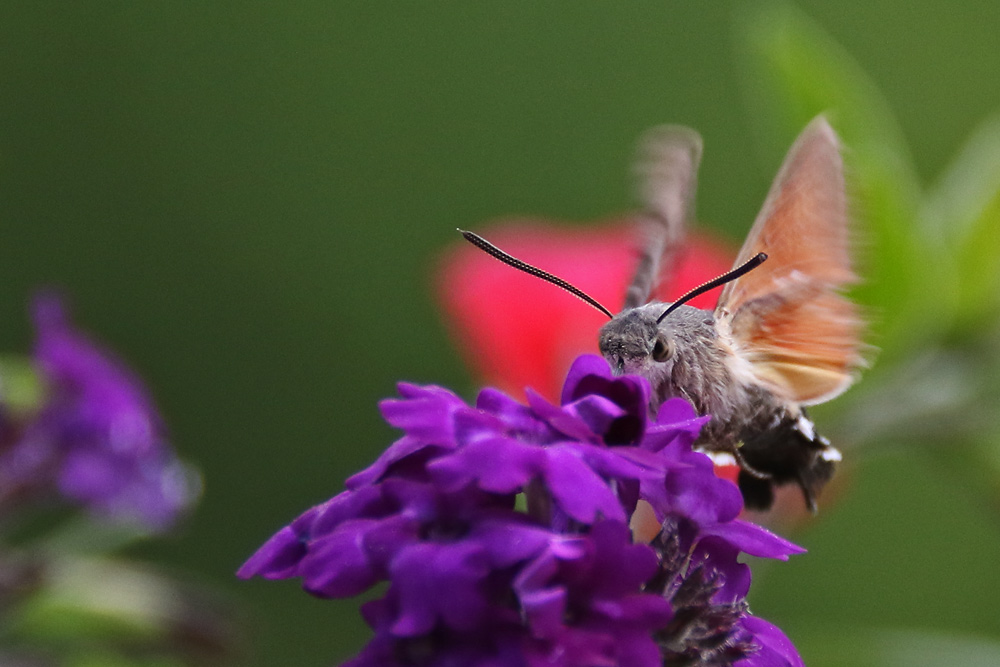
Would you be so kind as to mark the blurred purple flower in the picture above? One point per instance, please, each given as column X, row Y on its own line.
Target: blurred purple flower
column 96, row 440
column 476, row 578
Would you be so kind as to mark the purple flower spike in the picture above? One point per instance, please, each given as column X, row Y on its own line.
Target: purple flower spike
column 477, row 577
column 97, row 439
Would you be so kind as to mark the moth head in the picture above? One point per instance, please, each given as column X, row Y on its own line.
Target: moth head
column 634, row 342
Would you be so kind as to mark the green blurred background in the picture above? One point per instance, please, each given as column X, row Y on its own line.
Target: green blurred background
column 246, row 200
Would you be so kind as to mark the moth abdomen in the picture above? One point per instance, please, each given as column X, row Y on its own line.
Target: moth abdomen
column 791, row 451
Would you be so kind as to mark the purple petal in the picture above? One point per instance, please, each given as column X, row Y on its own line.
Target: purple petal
column 337, row 565
column 722, row 558
column 497, row 464
column 676, row 427
column 423, row 411
column 511, row 540
column 566, row 423
column 701, row 496
column 638, row 649
column 678, row 413
column 615, row 567
column 592, row 375
column 365, row 502
column 577, row 489
column 508, row 411
column 426, row 415
column 754, row 540
column 397, row 451
column 775, row 649
column 585, row 366
column 597, row 412
column 278, row 558
column 355, row 556
column 543, row 604
column 620, row 463
column 544, row 610
column 439, row 582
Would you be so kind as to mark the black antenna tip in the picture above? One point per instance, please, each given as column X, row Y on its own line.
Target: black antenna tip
column 743, row 268
column 509, row 260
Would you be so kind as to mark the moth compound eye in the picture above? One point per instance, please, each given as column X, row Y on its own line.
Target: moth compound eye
column 663, row 349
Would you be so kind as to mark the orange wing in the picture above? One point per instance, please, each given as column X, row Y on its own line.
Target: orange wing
column 787, row 317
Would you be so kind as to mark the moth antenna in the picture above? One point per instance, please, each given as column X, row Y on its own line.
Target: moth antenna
column 745, row 267
column 510, row 260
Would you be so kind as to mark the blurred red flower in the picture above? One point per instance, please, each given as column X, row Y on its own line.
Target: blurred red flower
column 517, row 331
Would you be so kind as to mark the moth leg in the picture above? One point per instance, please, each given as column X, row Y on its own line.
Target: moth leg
column 745, row 465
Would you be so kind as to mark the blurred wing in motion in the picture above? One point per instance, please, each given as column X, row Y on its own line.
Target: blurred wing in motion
column 788, row 317
column 667, row 170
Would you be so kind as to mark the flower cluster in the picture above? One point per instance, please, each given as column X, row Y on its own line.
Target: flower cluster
column 503, row 533
column 94, row 439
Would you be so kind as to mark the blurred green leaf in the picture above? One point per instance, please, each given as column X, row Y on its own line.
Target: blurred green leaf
column 913, row 649
column 923, row 398
column 89, row 598
column 81, row 535
column 797, row 72
column 88, row 606
column 97, row 658
column 21, row 387
column 963, row 213
column 865, row 647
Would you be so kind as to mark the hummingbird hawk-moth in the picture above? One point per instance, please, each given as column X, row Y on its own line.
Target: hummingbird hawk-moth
column 782, row 335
